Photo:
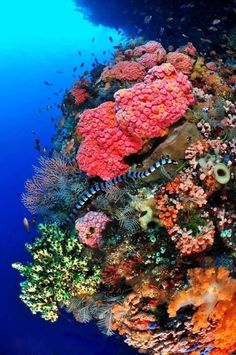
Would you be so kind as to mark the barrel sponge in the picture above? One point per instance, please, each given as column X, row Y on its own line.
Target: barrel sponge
column 147, row 109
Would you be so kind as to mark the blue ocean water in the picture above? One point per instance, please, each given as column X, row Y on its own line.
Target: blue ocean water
column 37, row 40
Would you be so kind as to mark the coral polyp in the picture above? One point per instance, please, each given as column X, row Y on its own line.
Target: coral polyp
column 138, row 210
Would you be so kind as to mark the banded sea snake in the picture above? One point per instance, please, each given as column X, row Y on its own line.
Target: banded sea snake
column 101, row 186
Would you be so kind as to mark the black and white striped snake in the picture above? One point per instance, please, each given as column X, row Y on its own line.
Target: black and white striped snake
column 101, row 186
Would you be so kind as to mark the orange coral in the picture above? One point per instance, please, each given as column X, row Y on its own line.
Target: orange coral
column 189, row 244
column 166, row 213
column 80, row 95
column 180, row 61
column 213, row 291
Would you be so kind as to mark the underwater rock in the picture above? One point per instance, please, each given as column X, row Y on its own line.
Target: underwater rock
column 174, row 145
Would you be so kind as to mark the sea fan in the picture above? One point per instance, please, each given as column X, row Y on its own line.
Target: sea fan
column 104, row 322
column 54, row 188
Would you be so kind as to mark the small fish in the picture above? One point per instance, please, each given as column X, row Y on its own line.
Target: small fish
column 216, row 21
column 104, row 52
column 212, row 28
column 37, row 144
column 59, row 72
column 185, row 36
column 147, row 19
column 110, row 39
column 79, row 53
column 33, row 221
column 93, row 39
column 170, row 19
column 44, row 151
column 26, row 224
column 81, row 65
column 47, row 83
column 205, row 40
column 48, row 107
column 162, row 30
column 74, row 69
column 40, row 110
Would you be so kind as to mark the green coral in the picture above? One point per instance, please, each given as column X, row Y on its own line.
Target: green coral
column 59, row 271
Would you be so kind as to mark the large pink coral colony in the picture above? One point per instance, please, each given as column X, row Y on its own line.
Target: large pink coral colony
column 104, row 145
column 90, row 228
column 113, row 131
column 148, row 108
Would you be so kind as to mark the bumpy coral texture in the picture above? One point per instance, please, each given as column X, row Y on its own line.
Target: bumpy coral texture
column 90, row 228
column 147, row 109
column 125, row 70
column 153, row 54
column 149, row 47
column 104, row 145
column 180, row 61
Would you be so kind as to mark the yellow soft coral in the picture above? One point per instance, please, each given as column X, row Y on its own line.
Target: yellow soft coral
column 212, row 291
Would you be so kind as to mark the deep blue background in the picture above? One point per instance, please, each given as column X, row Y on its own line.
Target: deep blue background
column 35, row 41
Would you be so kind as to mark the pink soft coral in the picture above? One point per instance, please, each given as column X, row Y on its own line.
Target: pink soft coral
column 104, row 145
column 90, row 228
column 147, row 109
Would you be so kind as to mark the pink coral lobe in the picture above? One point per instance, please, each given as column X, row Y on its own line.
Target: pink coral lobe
column 125, row 70
column 104, row 145
column 180, row 61
column 147, row 109
column 90, row 228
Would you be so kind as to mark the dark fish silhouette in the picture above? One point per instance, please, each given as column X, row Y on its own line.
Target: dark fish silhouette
column 47, row 83
column 110, row 39
column 81, row 65
column 74, row 69
column 37, row 144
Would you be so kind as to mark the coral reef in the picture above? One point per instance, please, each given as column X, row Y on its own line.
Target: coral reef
column 150, row 251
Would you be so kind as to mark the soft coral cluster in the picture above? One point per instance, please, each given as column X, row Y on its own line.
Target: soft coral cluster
column 125, row 70
column 147, row 109
column 175, row 198
column 213, row 292
column 90, row 228
column 113, row 131
column 104, row 145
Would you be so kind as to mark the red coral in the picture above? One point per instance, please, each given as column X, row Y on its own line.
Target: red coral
column 104, row 145
column 80, row 95
column 125, row 70
column 180, row 61
column 90, row 228
column 188, row 49
column 147, row 109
